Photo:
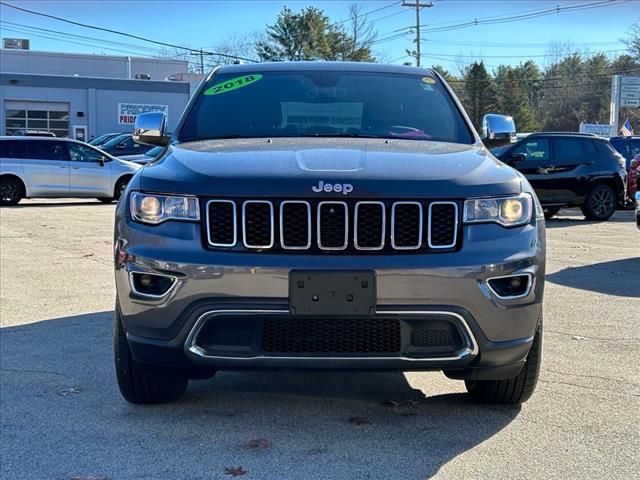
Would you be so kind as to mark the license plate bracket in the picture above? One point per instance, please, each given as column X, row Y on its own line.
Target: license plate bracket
column 326, row 293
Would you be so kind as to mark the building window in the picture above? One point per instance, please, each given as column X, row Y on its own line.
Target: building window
column 36, row 116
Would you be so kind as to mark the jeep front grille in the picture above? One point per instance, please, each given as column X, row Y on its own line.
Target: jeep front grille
column 332, row 226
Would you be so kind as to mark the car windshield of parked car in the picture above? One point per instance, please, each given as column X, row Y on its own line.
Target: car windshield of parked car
column 154, row 152
column 325, row 104
column 115, row 141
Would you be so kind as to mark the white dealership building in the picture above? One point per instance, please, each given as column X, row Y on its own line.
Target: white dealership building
column 82, row 96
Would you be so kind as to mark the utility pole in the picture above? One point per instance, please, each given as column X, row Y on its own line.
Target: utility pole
column 202, row 53
column 417, row 5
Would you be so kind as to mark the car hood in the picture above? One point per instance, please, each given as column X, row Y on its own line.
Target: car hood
column 289, row 167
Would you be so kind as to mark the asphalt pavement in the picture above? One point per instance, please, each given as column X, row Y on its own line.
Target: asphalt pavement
column 61, row 416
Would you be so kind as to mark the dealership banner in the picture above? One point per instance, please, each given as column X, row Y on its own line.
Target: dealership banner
column 127, row 112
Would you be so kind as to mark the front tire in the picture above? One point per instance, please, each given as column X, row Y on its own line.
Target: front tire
column 11, row 191
column 121, row 186
column 600, row 203
column 550, row 212
column 512, row 390
column 143, row 386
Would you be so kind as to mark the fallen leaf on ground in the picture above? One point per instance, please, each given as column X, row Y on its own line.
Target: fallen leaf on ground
column 258, row 443
column 359, row 420
column 90, row 477
column 234, row 471
column 400, row 403
column 578, row 337
column 88, row 255
column 66, row 391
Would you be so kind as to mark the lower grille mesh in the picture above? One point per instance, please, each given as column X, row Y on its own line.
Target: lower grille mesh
column 332, row 335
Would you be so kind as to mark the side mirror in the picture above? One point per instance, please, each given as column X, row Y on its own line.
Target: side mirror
column 498, row 130
column 101, row 162
column 151, row 129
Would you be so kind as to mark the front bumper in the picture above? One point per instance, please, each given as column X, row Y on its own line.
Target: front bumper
column 499, row 331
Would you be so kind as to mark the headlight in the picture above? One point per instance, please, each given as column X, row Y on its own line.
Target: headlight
column 156, row 209
column 507, row 211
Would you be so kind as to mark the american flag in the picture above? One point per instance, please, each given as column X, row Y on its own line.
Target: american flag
column 626, row 130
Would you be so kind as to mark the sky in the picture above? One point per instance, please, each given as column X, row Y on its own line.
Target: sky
column 203, row 24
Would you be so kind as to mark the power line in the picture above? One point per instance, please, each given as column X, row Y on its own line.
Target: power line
column 506, row 45
column 81, row 37
column 137, row 37
column 515, row 18
column 522, row 55
column 373, row 11
column 111, row 49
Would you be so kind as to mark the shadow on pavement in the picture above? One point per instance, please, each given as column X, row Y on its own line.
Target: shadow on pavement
column 617, row 277
column 570, row 218
column 62, row 416
column 58, row 204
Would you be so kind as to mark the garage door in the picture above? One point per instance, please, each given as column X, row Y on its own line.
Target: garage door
column 50, row 116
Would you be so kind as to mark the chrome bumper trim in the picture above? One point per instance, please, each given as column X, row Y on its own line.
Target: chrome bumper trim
column 191, row 347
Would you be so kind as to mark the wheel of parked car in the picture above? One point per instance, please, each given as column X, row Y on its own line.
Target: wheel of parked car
column 512, row 390
column 550, row 212
column 11, row 191
column 138, row 385
column 600, row 203
column 121, row 186
column 105, row 199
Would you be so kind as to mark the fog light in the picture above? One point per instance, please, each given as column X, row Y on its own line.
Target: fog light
column 151, row 284
column 516, row 283
column 511, row 286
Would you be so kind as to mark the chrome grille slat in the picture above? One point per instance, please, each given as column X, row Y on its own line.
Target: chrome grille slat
column 234, row 223
column 357, row 225
column 283, row 244
column 387, row 225
column 246, row 225
column 321, row 232
column 454, row 232
column 416, row 245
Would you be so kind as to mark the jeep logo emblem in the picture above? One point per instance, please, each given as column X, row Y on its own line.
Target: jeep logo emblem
column 345, row 188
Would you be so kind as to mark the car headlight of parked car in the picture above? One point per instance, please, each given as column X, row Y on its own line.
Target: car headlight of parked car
column 155, row 209
column 506, row 211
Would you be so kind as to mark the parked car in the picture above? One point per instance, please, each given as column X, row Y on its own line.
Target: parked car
column 33, row 133
column 35, row 167
column 628, row 147
column 638, row 209
column 123, row 144
column 571, row 170
column 144, row 158
column 102, row 139
column 327, row 215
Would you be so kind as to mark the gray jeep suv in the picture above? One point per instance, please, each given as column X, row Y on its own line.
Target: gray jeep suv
column 327, row 216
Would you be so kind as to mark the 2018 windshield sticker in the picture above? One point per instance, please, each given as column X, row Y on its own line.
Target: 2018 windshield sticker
column 429, row 80
column 233, row 84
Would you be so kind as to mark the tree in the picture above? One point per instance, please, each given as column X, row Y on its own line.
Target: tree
column 479, row 93
column 234, row 45
column 513, row 98
column 633, row 42
column 358, row 36
column 310, row 35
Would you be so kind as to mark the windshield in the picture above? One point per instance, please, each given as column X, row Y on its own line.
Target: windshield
column 116, row 140
column 325, row 103
column 154, row 152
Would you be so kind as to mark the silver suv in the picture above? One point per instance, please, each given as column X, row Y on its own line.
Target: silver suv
column 327, row 216
column 33, row 167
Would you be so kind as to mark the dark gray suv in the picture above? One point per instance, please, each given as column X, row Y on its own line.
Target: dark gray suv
column 327, row 216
